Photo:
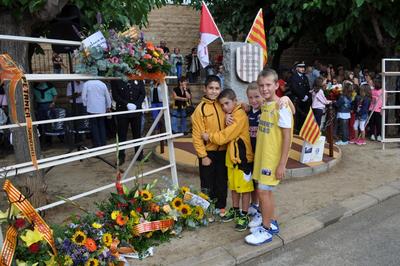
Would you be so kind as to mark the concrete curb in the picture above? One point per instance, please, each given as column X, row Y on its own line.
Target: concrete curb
column 239, row 252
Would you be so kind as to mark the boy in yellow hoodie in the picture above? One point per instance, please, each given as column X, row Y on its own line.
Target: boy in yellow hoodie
column 209, row 117
column 238, row 158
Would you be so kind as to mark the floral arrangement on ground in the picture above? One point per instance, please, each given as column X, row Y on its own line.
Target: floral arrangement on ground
column 128, row 224
column 123, row 55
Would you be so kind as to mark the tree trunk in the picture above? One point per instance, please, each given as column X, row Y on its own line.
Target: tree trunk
column 33, row 181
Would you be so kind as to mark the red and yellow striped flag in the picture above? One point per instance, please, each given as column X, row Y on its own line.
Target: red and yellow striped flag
column 257, row 34
column 310, row 130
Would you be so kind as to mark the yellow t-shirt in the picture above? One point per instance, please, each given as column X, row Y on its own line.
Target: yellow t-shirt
column 269, row 142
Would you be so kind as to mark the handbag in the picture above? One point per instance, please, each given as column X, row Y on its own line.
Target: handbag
column 189, row 109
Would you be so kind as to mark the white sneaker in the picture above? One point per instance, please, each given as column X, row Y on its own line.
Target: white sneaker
column 274, row 228
column 256, row 221
column 373, row 137
column 259, row 237
column 379, row 138
column 253, row 210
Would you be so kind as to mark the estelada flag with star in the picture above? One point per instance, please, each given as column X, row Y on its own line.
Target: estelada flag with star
column 257, row 34
column 310, row 130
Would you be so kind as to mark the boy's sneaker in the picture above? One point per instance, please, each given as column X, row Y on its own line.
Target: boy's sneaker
column 259, row 237
column 253, row 210
column 379, row 138
column 229, row 215
column 373, row 137
column 242, row 222
column 345, row 143
column 222, row 212
column 273, row 228
column 339, row 142
column 353, row 141
column 361, row 142
column 256, row 220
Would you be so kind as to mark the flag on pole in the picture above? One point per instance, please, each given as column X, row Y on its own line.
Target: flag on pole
column 257, row 34
column 310, row 130
column 208, row 33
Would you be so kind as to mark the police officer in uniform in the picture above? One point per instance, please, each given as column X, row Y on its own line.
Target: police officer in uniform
column 128, row 96
column 300, row 91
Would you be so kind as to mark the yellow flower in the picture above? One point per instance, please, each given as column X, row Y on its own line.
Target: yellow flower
column 32, row 237
column 96, row 225
column 156, row 54
column 204, row 196
column 185, row 189
column 79, row 238
column 115, row 214
column 146, row 195
column 148, row 234
column 68, row 261
column 92, row 262
column 107, row 239
column 186, row 211
column 135, row 217
column 199, row 213
column 177, row 203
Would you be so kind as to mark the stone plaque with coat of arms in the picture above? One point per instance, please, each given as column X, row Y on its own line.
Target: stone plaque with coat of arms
column 249, row 62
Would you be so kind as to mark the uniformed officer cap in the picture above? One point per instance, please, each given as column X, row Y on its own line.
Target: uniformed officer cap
column 299, row 64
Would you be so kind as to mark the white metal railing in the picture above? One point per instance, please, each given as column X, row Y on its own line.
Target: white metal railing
column 385, row 106
column 74, row 156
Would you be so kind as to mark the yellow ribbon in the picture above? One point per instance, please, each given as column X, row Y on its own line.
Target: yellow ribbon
column 10, row 71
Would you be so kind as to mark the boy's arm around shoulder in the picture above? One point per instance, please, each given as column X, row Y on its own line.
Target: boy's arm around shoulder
column 198, row 127
column 229, row 133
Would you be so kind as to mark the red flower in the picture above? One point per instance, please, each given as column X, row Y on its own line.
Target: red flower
column 90, row 244
column 147, row 56
column 100, row 214
column 19, row 223
column 120, row 190
column 34, row 248
column 139, row 209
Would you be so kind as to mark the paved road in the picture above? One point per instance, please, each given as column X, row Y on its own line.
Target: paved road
column 371, row 237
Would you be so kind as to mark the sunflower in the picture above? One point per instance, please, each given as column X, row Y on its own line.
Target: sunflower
column 121, row 220
column 92, row 262
column 79, row 238
column 107, row 239
column 68, row 261
column 204, row 196
column 146, row 195
column 186, row 211
column 199, row 213
column 185, row 189
column 90, row 244
column 96, row 225
column 114, row 214
column 177, row 203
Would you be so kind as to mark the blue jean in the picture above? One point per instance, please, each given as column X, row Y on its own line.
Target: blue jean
column 178, row 117
column 179, row 71
column 154, row 113
column 98, row 129
column 343, row 129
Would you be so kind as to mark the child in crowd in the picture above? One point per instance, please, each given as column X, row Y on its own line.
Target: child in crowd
column 274, row 136
column 319, row 100
column 209, row 117
column 361, row 105
column 343, row 105
column 239, row 157
column 376, row 108
column 280, row 92
column 182, row 98
column 255, row 101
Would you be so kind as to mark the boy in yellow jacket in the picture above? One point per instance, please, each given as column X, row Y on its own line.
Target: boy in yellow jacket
column 239, row 157
column 274, row 136
column 209, row 117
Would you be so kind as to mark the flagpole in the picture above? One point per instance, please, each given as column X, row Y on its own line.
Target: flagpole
column 222, row 39
column 253, row 24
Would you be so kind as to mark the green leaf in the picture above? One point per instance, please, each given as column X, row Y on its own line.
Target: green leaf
column 360, row 2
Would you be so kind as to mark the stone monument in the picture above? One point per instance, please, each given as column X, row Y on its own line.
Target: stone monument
column 242, row 63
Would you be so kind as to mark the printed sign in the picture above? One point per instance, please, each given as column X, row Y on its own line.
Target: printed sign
column 96, row 39
column 313, row 152
column 249, row 62
column 195, row 200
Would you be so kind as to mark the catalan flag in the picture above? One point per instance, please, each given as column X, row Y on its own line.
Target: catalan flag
column 310, row 130
column 257, row 34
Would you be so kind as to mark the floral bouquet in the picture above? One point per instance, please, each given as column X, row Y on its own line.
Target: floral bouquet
column 333, row 94
column 85, row 241
column 122, row 55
